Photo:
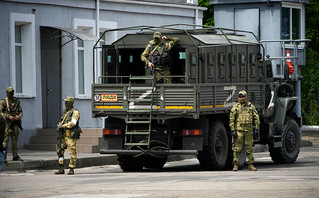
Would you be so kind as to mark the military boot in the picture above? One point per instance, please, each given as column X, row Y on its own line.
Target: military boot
column 251, row 167
column 71, row 171
column 235, row 168
column 17, row 158
column 61, row 170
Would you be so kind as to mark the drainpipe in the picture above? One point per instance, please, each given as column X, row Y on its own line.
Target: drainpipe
column 97, row 20
column 97, row 33
column 196, row 17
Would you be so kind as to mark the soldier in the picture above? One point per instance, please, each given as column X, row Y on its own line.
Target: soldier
column 11, row 109
column 243, row 119
column 155, row 55
column 69, row 132
column 2, row 131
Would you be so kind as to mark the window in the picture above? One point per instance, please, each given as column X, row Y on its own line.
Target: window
column 291, row 22
column 83, row 59
column 22, row 54
column 81, row 66
column 18, row 58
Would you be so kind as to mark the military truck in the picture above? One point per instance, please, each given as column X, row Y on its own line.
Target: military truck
column 145, row 121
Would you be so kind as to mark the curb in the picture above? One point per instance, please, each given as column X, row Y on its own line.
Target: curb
column 53, row 164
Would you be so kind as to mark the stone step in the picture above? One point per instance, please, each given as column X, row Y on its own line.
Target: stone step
column 53, row 140
column 46, row 140
column 80, row 148
column 86, row 132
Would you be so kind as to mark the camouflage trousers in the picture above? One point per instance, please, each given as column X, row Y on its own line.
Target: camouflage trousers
column 13, row 132
column 244, row 137
column 70, row 144
column 161, row 71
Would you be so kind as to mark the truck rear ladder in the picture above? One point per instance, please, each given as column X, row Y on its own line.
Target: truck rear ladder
column 139, row 116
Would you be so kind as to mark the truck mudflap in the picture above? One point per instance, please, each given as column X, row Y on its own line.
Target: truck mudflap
column 154, row 152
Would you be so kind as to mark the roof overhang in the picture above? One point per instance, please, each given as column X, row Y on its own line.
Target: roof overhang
column 73, row 34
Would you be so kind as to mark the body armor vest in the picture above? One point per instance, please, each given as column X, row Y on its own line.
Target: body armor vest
column 74, row 131
column 159, row 58
column 244, row 118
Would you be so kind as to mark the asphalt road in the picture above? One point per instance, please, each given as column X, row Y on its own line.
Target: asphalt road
column 177, row 179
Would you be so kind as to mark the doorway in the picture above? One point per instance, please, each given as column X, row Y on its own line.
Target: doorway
column 51, row 76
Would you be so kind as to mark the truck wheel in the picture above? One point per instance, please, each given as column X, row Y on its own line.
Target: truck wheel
column 154, row 162
column 129, row 163
column 289, row 151
column 214, row 155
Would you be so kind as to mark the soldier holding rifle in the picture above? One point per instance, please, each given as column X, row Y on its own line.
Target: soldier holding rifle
column 156, row 57
column 11, row 109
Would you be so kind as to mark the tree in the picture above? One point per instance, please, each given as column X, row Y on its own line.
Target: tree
column 208, row 18
column 310, row 72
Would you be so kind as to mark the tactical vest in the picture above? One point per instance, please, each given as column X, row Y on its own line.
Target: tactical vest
column 158, row 58
column 75, row 131
column 244, row 117
column 13, row 106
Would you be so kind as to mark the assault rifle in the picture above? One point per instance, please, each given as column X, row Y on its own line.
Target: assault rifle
column 59, row 140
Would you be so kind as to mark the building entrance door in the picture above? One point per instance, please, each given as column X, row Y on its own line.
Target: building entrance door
column 51, row 77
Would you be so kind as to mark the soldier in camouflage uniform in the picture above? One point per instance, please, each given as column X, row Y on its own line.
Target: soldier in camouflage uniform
column 156, row 55
column 11, row 109
column 243, row 119
column 3, row 151
column 69, row 133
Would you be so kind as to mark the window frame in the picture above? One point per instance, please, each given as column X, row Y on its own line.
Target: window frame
column 302, row 30
column 88, row 26
column 28, row 59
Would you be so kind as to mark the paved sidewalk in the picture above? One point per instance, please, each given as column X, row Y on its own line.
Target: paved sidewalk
column 45, row 160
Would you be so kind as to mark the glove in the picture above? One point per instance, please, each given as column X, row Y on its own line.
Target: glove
column 256, row 132
column 234, row 134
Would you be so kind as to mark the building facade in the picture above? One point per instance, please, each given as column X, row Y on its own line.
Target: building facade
column 47, row 49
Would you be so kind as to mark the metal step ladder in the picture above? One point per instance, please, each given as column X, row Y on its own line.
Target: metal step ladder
column 139, row 112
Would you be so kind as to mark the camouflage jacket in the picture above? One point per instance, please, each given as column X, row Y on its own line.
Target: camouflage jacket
column 243, row 117
column 13, row 110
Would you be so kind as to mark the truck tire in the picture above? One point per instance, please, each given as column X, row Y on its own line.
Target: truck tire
column 129, row 163
column 154, row 162
column 291, row 141
column 214, row 155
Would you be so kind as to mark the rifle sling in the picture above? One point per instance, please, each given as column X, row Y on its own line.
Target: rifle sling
column 65, row 117
column 154, row 49
column 7, row 101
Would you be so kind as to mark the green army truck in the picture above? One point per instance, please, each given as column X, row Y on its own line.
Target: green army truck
column 145, row 121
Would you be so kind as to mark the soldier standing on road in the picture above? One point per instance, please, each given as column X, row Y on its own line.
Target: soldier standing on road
column 156, row 57
column 243, row 119
column 69, row 132
column 11, row 109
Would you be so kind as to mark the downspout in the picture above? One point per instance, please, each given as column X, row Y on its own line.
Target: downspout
column 97, row 20
column 196, row 16
column 97, row 33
